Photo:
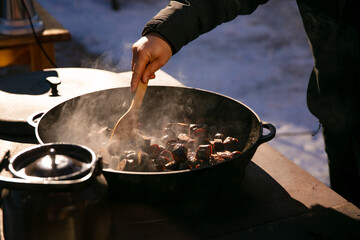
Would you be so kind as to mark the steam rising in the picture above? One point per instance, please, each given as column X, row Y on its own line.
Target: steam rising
column 105, row 62
column 79, row 120
column 75, row 120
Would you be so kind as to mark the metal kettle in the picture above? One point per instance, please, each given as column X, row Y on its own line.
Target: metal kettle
column 57, row 191
column 15, row 16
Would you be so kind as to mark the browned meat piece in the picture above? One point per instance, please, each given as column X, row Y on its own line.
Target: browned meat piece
column 162, row 148
column 194, row 127
column 226, row 155
column 167, row 154
column 218, row 145
column 169, row 144
column 126, row 165
column 231, row 144
column 172, row 146
column 161, row 161
column 219, row 136
column 235, row 153
column 201, row 136
column 215, row 159
column 144, row 161
column 165, row 138
column 154, row 151
column 179, row 154
column 192, row 162
column 204, row 152
column 173, row 166
column 192, row 144
column 183, row 138
column 129, row 155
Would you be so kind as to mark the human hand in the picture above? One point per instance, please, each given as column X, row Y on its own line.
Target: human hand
column 150, row 53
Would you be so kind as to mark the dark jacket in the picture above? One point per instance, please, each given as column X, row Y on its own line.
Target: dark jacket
column 331, row 26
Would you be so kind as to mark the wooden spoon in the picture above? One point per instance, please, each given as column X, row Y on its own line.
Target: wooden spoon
column 127, row 124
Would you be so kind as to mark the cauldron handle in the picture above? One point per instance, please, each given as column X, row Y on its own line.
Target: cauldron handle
column 31, row 119
column 4, row 162
column 270, row 135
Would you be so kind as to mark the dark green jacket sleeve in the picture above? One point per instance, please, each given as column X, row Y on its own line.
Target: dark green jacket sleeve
column 184, row 20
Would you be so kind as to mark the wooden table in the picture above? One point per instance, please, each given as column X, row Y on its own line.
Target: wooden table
column 276, row 200
column 21, row 50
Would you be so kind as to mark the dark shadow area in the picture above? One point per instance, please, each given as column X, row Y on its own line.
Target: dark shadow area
column 12, row 130
column 26, row 138
column 31, row 84
column 318, row 223
column 256, row 208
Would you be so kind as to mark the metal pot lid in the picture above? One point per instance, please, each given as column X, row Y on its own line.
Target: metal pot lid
column 52, row 162
column 25, row 94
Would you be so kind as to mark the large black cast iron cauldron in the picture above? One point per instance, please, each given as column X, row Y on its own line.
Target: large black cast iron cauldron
column 72, row 120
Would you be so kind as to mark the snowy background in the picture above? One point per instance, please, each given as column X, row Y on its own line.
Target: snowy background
column 262, row 60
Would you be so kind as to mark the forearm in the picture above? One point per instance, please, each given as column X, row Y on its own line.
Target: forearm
column 182, row 21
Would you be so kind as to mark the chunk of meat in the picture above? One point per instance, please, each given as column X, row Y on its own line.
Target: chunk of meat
column 204, row 152
column 232, row 144
column 179, row 154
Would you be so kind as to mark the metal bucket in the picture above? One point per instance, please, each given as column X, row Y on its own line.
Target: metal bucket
column 15, row 16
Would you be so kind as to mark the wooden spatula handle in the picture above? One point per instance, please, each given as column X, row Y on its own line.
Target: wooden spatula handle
column 139, row 95
column 125, row 126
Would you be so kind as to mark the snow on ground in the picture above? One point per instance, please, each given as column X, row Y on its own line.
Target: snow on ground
column 262, row 60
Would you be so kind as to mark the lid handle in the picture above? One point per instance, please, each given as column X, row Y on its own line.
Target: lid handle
column 53, row 82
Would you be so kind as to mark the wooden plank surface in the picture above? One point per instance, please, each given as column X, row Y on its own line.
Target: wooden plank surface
column 298, row 183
